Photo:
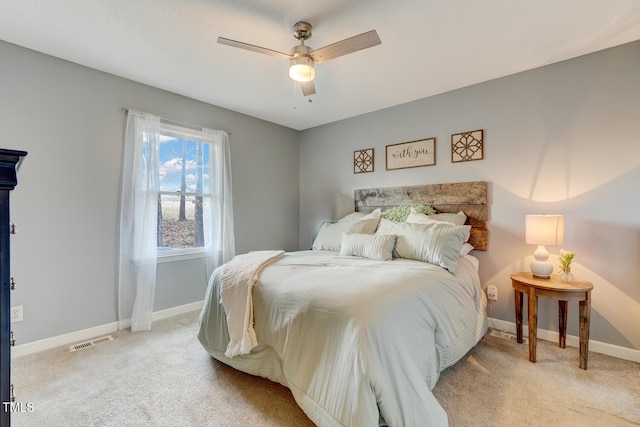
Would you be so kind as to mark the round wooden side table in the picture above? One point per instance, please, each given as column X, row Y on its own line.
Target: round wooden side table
column 578, row 290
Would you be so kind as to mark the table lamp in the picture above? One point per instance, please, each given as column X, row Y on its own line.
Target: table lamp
column 543, row 230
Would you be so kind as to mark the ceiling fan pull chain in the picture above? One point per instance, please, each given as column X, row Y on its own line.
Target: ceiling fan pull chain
column 295, row 107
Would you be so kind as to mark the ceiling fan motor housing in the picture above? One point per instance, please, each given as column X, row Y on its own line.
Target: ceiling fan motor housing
column 302, row 30
column 301, row 50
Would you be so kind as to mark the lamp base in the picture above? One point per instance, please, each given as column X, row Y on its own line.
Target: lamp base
column 541, row 268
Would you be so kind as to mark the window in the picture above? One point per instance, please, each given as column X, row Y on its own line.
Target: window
column 172, row 177
column 183, row 190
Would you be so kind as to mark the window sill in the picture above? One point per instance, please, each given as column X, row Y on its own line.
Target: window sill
column 171, row 256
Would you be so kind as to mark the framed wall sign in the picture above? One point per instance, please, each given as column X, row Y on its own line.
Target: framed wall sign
column 411, row 154
column 363, row 161
column 467, row 146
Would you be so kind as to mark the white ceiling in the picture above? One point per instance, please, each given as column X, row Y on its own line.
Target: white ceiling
column 428, row 46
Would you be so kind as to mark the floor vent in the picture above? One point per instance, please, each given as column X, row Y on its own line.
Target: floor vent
column 507, row 336
column 87, row 344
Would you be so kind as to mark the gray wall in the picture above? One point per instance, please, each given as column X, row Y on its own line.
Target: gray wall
column 69, row 119
column 562, row 139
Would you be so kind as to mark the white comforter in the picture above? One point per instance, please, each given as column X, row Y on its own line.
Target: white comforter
column 358, row 342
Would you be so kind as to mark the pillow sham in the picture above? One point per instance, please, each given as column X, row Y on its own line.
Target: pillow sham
column 378, row 247
column 417, row 218
column 330, row 234
column 437, row 243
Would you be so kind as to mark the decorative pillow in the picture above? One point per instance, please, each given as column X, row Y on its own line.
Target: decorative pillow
column 417, row 218
column 378, row 247
column 435, row 243
column 400, row 213
column 330, row 235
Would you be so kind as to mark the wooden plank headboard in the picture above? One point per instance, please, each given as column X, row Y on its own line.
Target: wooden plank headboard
column 469, row 197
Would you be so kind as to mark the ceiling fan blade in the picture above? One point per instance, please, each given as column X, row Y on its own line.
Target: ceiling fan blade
column 253, row 48
column 343, row 47
column 308, row 88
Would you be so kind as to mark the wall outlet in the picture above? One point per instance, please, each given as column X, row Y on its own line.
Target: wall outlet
column 492, row 292
column 16, row 314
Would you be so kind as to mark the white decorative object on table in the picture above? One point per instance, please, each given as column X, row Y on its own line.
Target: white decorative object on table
column 543, row 230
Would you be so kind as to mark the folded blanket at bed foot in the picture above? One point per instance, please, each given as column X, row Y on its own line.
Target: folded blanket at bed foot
column 238, row 278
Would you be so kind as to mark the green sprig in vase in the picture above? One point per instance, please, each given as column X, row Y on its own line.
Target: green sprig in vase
column 565, row 258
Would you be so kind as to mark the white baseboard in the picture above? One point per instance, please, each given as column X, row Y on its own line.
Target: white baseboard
column 85, row 334
column 572, row 341
column 96, row 331
column 164, row 314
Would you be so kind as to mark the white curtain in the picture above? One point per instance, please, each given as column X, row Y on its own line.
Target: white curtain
column 138, row 218
column 139, row 214
column 218, row 216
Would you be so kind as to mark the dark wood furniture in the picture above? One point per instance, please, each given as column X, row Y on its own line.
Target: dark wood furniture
column 8, row 180
column 578, row 290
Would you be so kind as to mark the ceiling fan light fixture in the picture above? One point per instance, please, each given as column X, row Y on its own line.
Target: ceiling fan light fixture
column 301, row 69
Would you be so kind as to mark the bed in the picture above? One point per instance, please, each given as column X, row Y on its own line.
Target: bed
column 361, row 340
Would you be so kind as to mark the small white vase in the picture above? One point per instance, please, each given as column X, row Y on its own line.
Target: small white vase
column 566, row 275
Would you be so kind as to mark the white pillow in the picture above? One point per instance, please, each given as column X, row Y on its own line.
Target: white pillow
column 378, row 247
column 354, row 216
column 373, row 215
column 458, row 219
column 417, row 218
column 466, row 248
column 437, row 243
column 330, row 235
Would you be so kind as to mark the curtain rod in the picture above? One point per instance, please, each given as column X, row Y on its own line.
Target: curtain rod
column 175, row 122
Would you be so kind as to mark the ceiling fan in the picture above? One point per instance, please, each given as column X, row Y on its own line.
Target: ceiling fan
column 303, row 57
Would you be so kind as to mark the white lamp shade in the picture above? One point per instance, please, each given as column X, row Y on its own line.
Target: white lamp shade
column 544, row 229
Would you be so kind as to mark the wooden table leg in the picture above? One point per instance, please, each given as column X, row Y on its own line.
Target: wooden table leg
column 533, row 324
column 585, row 320
column 518, row 298
column 562, row 323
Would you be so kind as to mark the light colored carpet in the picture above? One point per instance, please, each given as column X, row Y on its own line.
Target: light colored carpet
column 165, row 378
column 496, row 385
